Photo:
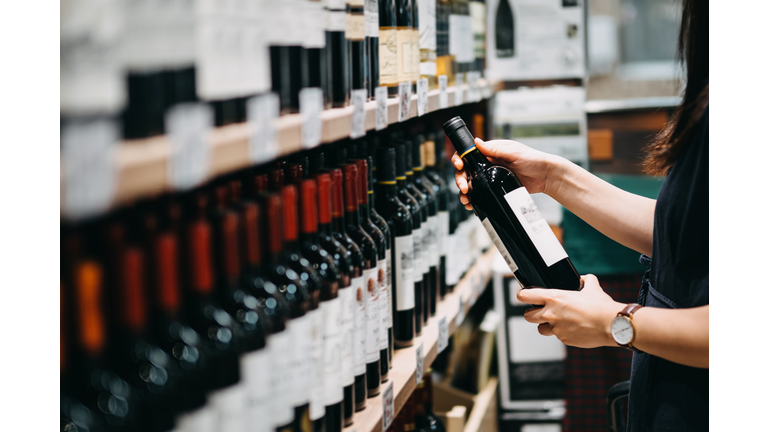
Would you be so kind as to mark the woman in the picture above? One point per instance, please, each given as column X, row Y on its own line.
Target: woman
column 669, row 385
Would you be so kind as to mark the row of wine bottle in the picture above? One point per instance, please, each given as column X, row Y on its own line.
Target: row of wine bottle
column 417, row 414
column 137, row 60
column 271, row 300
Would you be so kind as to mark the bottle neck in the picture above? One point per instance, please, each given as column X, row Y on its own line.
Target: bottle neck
column 324, row 229
column 309, row 237
column 365, row 211
column 386, row 189
column 353, row 217
column 401, row 182
column 474, row 161
column 338, row 225
column 371, row 195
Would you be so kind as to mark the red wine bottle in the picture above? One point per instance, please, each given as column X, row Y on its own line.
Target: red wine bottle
column 431, row 232
column 381, row 272
column 400, row 222
column 423, row 247
column 441, row 195
column 339, row 81
column 511, row 218
column 370, row 284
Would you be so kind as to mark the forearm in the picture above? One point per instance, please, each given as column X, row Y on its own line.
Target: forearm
column 622, row 216
column 677, row 335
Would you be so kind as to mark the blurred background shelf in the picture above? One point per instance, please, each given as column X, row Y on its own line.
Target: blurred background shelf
column 403, row 375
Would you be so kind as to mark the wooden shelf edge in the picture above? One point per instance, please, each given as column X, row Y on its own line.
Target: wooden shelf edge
column 403, row 374
column 483, row 402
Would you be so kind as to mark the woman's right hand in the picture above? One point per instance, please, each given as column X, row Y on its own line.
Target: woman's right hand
column 536, row 170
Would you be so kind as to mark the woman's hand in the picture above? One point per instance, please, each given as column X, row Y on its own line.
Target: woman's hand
column 578, row 318
column 536, row 170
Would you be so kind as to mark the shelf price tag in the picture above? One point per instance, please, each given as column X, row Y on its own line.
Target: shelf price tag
column 474, row 92
column 487, row 90
column 311, row 106
column 442, row 84
column 403, row 101
column 422, row 92
column 458, row 97
column 87, row 155
column 188, row 126
column 263, row 112
column 388, row 406
column 358, row 113
column 419, row 363
column 381, row 108
column 442, row 335
column 460, row 315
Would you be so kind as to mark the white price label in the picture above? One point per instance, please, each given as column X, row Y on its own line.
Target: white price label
column 311, row 106
column 388, row 406
column 358, row 113
column 461, row 314
column 88, row 164
column 458, row 97
column 263, row 112
column 403, row 101
column 419, row 363
column 442, row 84
column 487, row 93
column 442, row 335
column 474, row 90
column 381, row 108
column 422, row 92
column 187, row 126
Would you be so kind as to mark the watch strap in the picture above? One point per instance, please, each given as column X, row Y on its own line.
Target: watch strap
column 630, row 309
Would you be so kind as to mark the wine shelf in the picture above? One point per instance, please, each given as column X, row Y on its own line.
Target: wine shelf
column 403, row 373
column 140, row 167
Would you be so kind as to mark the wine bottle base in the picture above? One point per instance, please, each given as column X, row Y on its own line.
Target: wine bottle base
column 361, row 393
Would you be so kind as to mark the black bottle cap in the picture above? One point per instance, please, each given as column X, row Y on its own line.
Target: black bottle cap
column 459, row 135
column 416, row 151
column 399, row 159
column 387, row 170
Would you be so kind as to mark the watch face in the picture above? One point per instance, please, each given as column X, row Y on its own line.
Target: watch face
column 621, row 329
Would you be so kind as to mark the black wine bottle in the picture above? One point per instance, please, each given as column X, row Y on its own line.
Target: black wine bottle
column 337, row 49
column 358, row 49
column 372, row 44
column 432, row 254
column 505, row 30
column 431, row 153
column 400, row 221
column 512, row 219
column 423, row 231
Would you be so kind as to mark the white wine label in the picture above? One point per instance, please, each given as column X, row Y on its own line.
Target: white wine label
column 428, row 68
column 460, row 314
column 535, row 226
column 388, row 57
column 355, row 27
column 187, row 127
column 360, row 325
column 442, row 84
column 458, row 97
column 358, row 113
column 442, row 335
column 415, row 55
column 317, row 365
column 403, row 101
column 314, row 24
column 404, row 272
column 200, row 420
column 389, row 288
column 334, row 4
column 499, row 245
column 427, row 24
column 331, row 310
column 419, row 363
column 372, row 18
column 381, row 108
column 282, row 377
column 434, row 236
column 405, row 54
column 256, row 371
column 442, row 236
column 301, row 334
column 454, row 35
column 311, row 106
column 372, row 322
column 384, row 303
column 423, row 96
column 418, row 266
column 348, row 304
column 230, row 405
column 388, row 405
column 263, row 112
column 335, row 20
column 452, row 261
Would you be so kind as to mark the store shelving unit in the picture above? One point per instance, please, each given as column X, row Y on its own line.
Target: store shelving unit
column 403, row 374
column 141, row 166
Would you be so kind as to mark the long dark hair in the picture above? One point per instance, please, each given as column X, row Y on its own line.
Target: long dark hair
column 693, row 52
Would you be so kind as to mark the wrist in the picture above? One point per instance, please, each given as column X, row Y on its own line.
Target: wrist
column 557, row 169
column 608, row 320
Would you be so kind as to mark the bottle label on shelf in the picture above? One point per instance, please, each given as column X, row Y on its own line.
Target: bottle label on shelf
column 348, row 305
column 535, row 226
column 477, row 15
column 389, row 288
column 372, row 18
column 255, row 366
column 404, row 101
column 388, row 58
column 359, row 97
column 428, row 68
column 317, row 365
column 301, row 329
column 458, row 97
column 418, row 265
column 282, row 377
column 382, row 118
column 355, row 27
column 335, row 20
column 427, row 25
column 422, row 92
column 230, row 404
column 360, row 327
column 263, row 112
column 311, row 106
column 404, row 272
column 371, row 315
column 442, row 335
column 331, row 310
column 384, row 303
column 442, row 84
column 499, row 244
column 388, row 406
column 405, row 55
column 452, row 260
column 443, row 219
column 187, row 127
column 419, row 363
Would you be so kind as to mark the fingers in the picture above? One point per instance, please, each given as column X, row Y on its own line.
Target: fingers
column 546, row 330
column 590, row 283
column 534, row 296
column 458, row 163
column 535, row 315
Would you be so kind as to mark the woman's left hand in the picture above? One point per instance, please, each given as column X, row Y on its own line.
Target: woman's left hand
column 578, row 318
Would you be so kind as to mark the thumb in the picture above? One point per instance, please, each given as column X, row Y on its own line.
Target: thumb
column 590, row 283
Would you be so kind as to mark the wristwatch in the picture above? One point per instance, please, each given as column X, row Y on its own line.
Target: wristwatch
column 623, row 328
